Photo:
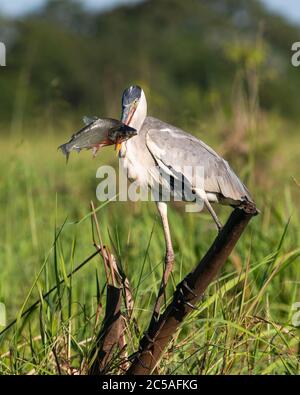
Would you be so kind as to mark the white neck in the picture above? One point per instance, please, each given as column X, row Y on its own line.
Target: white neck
column 140, row 113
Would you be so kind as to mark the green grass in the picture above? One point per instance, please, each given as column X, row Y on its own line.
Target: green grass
column 244, row 322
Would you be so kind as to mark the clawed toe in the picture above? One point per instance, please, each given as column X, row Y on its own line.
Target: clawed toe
column 182, row 297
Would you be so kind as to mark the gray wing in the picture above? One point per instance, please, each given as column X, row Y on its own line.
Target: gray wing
column 172, row 148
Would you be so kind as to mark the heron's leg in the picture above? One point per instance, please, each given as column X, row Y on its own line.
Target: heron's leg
column 213, row 214
column 169, row 258
column 207, row 204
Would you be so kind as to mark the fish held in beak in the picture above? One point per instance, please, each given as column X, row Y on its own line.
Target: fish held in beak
column 120, row 134
column 96, row 134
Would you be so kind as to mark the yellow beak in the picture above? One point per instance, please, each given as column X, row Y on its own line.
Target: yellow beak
column 117, row 148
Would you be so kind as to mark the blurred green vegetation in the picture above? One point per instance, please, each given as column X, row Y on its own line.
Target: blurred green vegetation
column 217, row 68
column 186, row 54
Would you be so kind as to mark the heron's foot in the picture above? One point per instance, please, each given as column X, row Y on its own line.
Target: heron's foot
column 181, row 299
column 182, row 292
column 188, row 288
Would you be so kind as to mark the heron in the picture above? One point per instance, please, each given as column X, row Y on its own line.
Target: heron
column 165, row 147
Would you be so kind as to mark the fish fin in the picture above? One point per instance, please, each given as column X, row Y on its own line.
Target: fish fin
column 95, row 150
column 89, row 120
column 65, row 151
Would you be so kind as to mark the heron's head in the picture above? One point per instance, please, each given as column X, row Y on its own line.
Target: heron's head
column 134, row 107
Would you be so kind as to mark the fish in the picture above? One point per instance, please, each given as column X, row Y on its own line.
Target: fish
column 98, row 132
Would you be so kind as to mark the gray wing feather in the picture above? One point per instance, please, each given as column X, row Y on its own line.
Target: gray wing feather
column 173, row 148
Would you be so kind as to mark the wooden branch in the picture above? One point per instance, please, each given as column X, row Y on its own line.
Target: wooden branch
column 110, row 333
column 189, row 292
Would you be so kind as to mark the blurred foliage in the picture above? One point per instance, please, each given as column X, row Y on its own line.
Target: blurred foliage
column 63, row 58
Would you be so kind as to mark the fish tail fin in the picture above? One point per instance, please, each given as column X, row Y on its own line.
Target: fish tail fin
column 65, row 151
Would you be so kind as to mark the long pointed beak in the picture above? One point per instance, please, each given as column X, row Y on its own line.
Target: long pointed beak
column 127, row 114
